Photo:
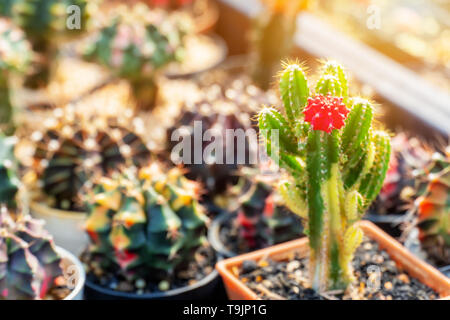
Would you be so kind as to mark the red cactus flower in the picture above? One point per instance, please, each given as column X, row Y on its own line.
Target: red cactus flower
column 326, row 112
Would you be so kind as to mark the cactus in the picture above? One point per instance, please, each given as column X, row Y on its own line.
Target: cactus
column 135, row 50
column 29, row 263
column 262, row 219
column 276, row 24
column 433, row 209
column 74, row 150
column 336, row 162
column 145, row 221
column 45, row 23
column 15, row 56
column 9, row 182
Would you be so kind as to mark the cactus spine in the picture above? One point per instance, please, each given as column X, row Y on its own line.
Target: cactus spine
column 337, row 164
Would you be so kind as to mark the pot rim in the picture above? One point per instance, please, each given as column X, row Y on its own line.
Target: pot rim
column 154, row 295
column 403, row 258
column 80, row 270
column 62, row 214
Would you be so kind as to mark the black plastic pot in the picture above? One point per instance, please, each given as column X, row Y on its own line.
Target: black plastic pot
column 390, row 223
column 214, row 236
column 209, row 288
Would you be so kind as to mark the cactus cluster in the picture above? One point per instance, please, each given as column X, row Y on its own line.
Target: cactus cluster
column 45, row 23
column 275, row 25
column 336, row 164
column 262, row 218
column 136, row 49
column 29, row 263
column 15, row 56
column 433, row 208
column 145, row 223
column 73, row 150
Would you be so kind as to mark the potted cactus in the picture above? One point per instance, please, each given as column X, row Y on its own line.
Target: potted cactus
column 259, row 218
column 15, row 57
column 68, row 153
column 136, row 46
column 335, row 163
column 148, row 238
column 46, row 24
column 33, row 268
column 221, row 106
column 430, row 224
column 276, row 24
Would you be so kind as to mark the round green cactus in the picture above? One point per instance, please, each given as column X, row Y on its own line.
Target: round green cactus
column 336, row 161
column 144, row 221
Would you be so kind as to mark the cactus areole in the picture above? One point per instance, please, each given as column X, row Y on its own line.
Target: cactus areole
column 336, row 163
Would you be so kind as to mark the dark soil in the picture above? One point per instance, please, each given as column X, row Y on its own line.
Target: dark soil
column 191, row 273
column 288, row 279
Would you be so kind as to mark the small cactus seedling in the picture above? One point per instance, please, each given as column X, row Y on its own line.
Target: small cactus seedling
column 15, row 56
column 433, row 209
column 9, row 182
column 29, row 263
column 74, row 150
column 46, row 23
column 336, row 161
column 135, row 50
column 145, row 224
column 275, row 25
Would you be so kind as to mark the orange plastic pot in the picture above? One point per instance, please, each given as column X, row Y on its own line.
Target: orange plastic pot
column 406, row 261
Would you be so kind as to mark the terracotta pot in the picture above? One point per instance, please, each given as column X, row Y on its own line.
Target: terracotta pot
column 66, row 227
column 428, row 275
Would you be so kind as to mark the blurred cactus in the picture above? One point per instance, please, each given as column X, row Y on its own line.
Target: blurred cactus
column 136, row 50
column 433, row 208
column 9, row 182
column 262, row 218
column 29, row 263
column 275, row 25
column 46, row 24
column 146, row 223
column 72, row 151
column 336, row 161
column 15, row 56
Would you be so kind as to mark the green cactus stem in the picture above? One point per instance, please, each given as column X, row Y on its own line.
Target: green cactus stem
column 336, row 161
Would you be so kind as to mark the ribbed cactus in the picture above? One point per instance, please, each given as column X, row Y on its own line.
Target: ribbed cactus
column 336, row 161
column 69, row 154
column 15, row 56
column 144, row 221
column 29, row 264
column 45, row 23
column 135, row 50
column 9, row 182
column 275, row 25
column 433, row 208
